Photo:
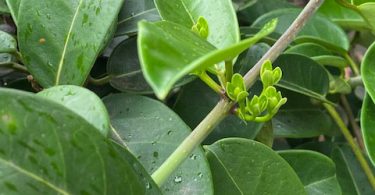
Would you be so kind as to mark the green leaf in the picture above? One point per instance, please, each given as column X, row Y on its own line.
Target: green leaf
column 8, row 44
column 124, row 68
column 299, row 118
column 152, row 132
column 317, row 172
column 241, row 166
column 48, row 149
column 251, row 13
column 82, row 102
column 242, row 4
column 61, row 43
column 368, row 125
column 134, row 11
column 249, row 58
column 368, row 71
column 220, row 15
column 318, row 53
column 199, row 99
column 341, row 15
column 13, row 6
column 349, row 172
column 303, row 75
column 3, row 7
column 169, row 51
column 318, row 29
column 367, row 11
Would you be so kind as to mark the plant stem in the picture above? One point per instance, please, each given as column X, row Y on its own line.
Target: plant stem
column 357, row 151
column 224, row 106
column 352, row 64
column 193, row 140
column 283, row 41
column 355, row 81
column 228, row 70
column 353, row 123
column 100, row 81
column 14, row 66
column 210, row 82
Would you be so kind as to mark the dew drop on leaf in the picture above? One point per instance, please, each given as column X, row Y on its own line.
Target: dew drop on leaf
column 178, row 179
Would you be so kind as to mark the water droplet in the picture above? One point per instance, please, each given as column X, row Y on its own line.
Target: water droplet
column 200, row 175
column 169, row 132
column 148, row 186
column 178, row 179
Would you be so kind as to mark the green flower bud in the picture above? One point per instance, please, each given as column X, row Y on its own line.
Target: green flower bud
column 267, row 65
column 236, row 89
column 267, row 78
column 201, row 27
column 276, row 74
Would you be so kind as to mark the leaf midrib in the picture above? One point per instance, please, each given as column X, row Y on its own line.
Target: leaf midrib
column 61, row 62
column 33, row 176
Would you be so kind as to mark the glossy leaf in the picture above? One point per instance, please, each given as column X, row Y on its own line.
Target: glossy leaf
column 368, row 71
column 317, row 172
column 134, row 11
column 45, row 154
column 125, row 70
column 220, row 15
column 8, row 44
column 368, row 125
column 318, row 29
column 349, row 172
column 309, row 50
column 169, row 51
column 3, row 7
column 318, row 53
column 82, row 102
column 300, row 118
column 241, row 166
column 61, row 44
column 152, row 131
column 242, row 4
column 341, row 15
column 303, row 75
column 199, row 99
column 13, row 6
column 367, row 11
column 251, row 13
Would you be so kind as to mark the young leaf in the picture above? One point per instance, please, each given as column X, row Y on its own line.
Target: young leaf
column 368, row 71
column 317, row 172
column 152, row 131
column 368, row 125
column 318, row 29
column 48, row 149
column 169, row 51
column 241, row 166
column 82, row 102
column 60, row 39
column 220, row 16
